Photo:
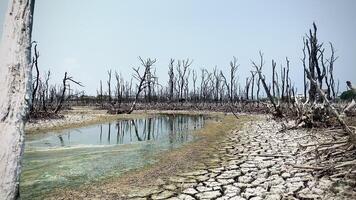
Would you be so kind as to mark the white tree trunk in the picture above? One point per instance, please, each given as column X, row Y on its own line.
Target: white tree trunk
column 15, row 90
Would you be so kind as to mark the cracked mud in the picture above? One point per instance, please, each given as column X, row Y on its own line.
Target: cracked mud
column 252, row 163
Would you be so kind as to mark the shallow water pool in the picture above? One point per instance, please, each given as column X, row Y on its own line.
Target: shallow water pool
column 74, row 157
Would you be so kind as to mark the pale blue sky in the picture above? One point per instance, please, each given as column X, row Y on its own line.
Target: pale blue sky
column 87, row 37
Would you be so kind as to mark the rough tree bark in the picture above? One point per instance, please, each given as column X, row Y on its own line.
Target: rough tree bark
column 15, row 83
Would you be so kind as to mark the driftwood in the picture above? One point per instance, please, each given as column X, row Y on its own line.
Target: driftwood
column 346, row 128
column 349, row 107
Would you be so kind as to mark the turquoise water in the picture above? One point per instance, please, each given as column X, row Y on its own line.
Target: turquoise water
column 80, row 156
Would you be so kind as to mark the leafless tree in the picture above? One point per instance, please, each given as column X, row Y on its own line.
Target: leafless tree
column 195, row 76
column 109, row 85
column 45, row 91
column 287, row 80
column 182, row 69
column 15, row 90
column 331, row 70
column 142, row 79
column 217, row 79
column 314, row 50
column 258, row 88
column 247, row 87
column 225, row 83
column 101, row 93
column 171, row 79
column 283, row 82
column 253, row 74
column 37, row 77
column 119, row 88
column 267, row 90
column 305, row 84
column 274, row 83
column 65, row 85
column 233, row 70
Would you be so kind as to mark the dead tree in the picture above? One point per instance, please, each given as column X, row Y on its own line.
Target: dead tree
column 253, row 74
column 171, row 79
column 258, row 88
column 15, row 90
column 216, row 84
column 328, row 66
column 101, row 93
column 274, row 78
column 223, row 79
column 283, row 82
column 314, row 50
column 142, row 79
column 65, row 85
column 331, row 70
column 233, row 70
column 119, row 88
column 195, row 76
column 182, row 69
column 247, row 87
column 186, row 85
column 287, row 80
column 278, row 111
column 350, row 132
column 305, row 84
column 45, row 91
column 109, row 86
column 37, row 78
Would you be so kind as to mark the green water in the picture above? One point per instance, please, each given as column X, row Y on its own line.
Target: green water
column 81, row 156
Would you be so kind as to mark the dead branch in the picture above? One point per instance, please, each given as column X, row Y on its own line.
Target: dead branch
column 259, row 71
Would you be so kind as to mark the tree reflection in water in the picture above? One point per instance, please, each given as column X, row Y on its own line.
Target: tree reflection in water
column 172, row 128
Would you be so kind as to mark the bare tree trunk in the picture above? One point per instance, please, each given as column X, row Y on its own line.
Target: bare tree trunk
column 171, row 79
column 287, row 82
column 35, row 87
column 305, row 84
column 253, row 74
column 101, row 94
column 109, row 85
column 258, row 89
column 15, row 83
column 274, row 78
column 283, row 79
column 61, row 100
column 233, row 69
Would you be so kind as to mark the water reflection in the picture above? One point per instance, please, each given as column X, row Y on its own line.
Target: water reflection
column 77, row 156
column 167, row 127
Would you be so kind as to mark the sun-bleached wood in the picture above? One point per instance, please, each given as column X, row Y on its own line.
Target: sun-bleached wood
column 15, row 92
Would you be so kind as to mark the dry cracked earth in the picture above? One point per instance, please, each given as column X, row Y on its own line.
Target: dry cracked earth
column 252, row 163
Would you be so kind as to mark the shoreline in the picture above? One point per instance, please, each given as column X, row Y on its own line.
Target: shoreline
column 85, row 116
